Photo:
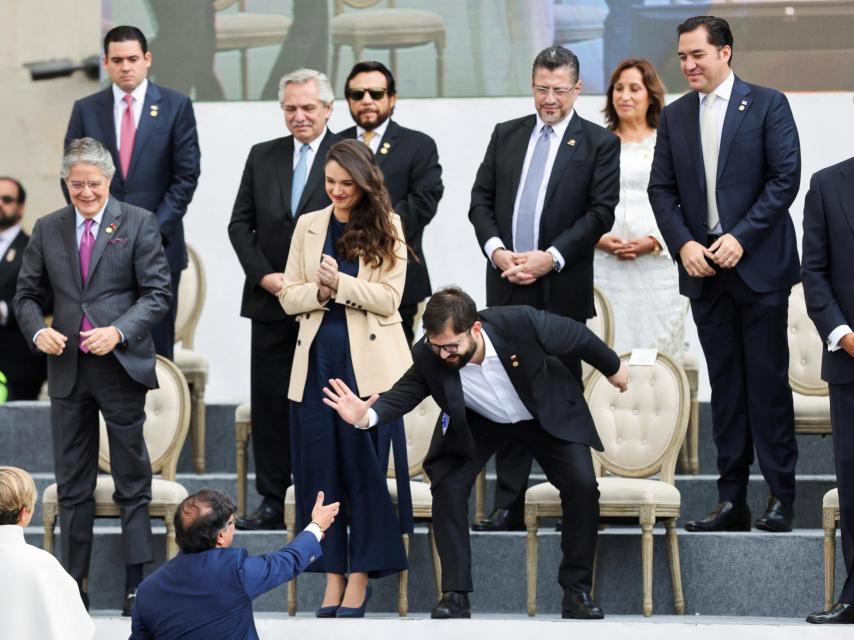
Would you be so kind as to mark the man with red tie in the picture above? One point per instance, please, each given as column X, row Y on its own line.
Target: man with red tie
column 151, row 133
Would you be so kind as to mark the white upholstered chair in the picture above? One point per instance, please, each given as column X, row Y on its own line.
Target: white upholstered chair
column 419, row 424
column 389, row 28
column 167, row 416
column 641, row 430
column 194, row 366
column 830, row 520
column 241, row 31
column 809, row 391
column 242, row 431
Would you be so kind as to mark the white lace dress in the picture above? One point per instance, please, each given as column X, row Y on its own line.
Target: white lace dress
column 644, row 293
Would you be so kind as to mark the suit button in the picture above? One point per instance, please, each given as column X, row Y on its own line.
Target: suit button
column 307, row 316
column 348, row 302
column 372, row 336
column 299, row 342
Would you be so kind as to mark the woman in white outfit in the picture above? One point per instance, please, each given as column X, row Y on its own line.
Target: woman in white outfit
column 632, row 266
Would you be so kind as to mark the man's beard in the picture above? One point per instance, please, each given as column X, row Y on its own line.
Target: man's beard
column 7, row 222
column 465, row 358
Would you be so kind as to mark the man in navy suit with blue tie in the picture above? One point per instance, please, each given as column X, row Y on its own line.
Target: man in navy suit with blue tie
column 726, row 169
column 151, row 133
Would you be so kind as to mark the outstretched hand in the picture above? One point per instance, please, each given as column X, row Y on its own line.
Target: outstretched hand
column 324, row 515
column 349, row 406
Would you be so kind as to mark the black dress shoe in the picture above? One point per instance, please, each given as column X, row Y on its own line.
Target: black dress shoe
column 725, row 517
column 454, row 604
column 127, row 606
column 500, row 520
column 265, row 517
column 777, row 518
column 840, row 613
column 580, row 605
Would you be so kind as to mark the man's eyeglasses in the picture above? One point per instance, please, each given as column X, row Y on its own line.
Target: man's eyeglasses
column 451, row 349
column 358, row 94
column 79, row 186
column 560, row 92
column 8, row 199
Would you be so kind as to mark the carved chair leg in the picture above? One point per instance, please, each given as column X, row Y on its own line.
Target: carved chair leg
column 49, row 519
column 647, row 520
column 197, row 426
column 479, row 496
column 403, row 584
column 241, row 436
column 675, row 567
column 532, row 524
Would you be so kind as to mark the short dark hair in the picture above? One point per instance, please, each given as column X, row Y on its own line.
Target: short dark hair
column 22, row 195
column 366, row 67
column 124, row 33
column 555, row 57
column 199, row 519
column 717, row 31
column 450, row 304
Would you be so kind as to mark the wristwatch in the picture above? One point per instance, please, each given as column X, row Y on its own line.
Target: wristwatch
column 555, row 262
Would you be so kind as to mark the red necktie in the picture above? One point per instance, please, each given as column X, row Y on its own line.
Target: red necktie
column 128, row 133
column 87, row 242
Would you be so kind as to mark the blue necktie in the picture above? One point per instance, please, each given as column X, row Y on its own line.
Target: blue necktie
column 298, row 183
column 526, row 217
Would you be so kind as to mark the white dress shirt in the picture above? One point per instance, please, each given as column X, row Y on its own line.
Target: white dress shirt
column 723, row 92
column 836, row 335
column 379, row 132
column 39, row 600
column 7, row 237
column 558, row 131
column 311, row 154
column 119, row 107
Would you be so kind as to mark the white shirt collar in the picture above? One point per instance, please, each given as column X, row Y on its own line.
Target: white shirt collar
column 81, row 219
column 314, row 144
column 138, row 93
column 559, row 128
column 723, row 90
column 9, row 235
column 380, row 130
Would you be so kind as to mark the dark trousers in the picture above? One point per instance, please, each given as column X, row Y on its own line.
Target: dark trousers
column 163, row 332
column 272, row 354
column 102, row 385
column 842, row 418
column 568, row 466
column 743, row 335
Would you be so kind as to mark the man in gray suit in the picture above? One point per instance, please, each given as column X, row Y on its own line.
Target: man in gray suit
column 103, row 262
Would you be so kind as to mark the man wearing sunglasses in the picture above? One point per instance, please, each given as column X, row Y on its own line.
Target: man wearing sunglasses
column 543, row 196
column 25, row 372
column 410, row 165
column 498, row 377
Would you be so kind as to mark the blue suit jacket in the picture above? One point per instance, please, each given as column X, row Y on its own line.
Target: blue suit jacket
column 209, row 595
column 164, row 166
column 759, row 169
column 829, row 261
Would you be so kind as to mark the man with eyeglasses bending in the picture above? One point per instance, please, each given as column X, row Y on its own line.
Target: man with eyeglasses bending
column 543, row 196
column 497, row 374
column 410, row 165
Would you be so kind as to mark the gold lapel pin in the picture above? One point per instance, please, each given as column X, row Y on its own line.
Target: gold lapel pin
column 384, row 150
column 514, row 360
column 743, row 105
column 108, row 230
column 10, row 255
column 571, row 142
column 153, row 113
column 386, row 145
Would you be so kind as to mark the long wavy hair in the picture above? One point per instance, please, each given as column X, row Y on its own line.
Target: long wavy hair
column 654, row 87
column 370, row 232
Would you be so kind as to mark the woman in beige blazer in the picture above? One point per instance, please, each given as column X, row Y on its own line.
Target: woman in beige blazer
column 343, row 281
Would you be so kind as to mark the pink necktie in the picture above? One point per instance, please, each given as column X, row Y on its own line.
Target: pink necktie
column 128, row 134
column 86, row 244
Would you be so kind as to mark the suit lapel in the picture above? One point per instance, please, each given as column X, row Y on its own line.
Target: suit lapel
column 112, row 215
column 518, row 146
column 147, row 121
column 572, row 139
column 107, row 120
column 845, row 189
column 736, row 110
column 283, row 166
column 388, row 144
column 68, row 231
column 315, row 238
column 317, row 173
column 691, row 131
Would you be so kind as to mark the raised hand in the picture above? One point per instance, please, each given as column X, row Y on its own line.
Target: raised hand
column 349, row 406
column 324, row 515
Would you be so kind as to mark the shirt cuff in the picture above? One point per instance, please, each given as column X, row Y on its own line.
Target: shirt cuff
column 121, row 335
column 36, row 337
column 836, row 335
column 558, row 257
column 373, row 419
column 4, row 313
column 314, row 528
column 491, row 245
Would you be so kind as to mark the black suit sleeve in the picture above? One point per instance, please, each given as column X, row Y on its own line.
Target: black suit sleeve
column 73, row 132
column 419, row 206
column 33, row 288
column 562, row 336
column 243, row 224
column 406, row 394
column 482, row 209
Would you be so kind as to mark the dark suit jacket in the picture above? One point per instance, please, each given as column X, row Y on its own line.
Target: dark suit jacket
column 128, row 287
column 583, row 189
column 759, row 172
column 208, row 595
column 413, row 178
column 262, row 222
column 17, row 360
column 535, row 340
column 828, row 261
column 164, row 166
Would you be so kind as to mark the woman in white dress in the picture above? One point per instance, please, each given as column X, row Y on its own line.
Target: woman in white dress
column 632, row 266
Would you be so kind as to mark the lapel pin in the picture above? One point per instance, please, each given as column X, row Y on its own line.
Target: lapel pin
column 384, row 150
column 153, row 113
column 10, row 255
column 386, row 145
column 743, row 105
column 111, row 228
column 571, row 142
column 514, row 360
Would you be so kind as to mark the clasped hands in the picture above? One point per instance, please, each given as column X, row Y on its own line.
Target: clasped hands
column 522, row 268
column 725, row 252
column 327, row 278
column 99, row 341
column 627, row 249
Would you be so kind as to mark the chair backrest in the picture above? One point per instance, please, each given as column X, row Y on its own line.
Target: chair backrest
column 191, row 299
column 357, row 4
column 167, row 417
column 419, row 424
column 805, row 348
column 602, row 325
column 642, row 429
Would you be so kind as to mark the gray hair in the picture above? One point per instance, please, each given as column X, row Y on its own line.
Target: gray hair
column 87, row 151
column 324, row 87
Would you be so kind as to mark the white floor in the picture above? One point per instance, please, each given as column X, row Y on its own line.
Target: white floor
column 419, row 627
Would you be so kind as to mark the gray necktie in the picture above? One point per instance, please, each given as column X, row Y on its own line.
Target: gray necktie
column 525, row 220
column 709, row 139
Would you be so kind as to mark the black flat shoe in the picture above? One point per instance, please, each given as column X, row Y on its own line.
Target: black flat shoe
column 454, row 604
column 777, row 517
column 840, row 613
column 264, row 518
column 500, row 520
column 726, row 516
column 580, row 605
